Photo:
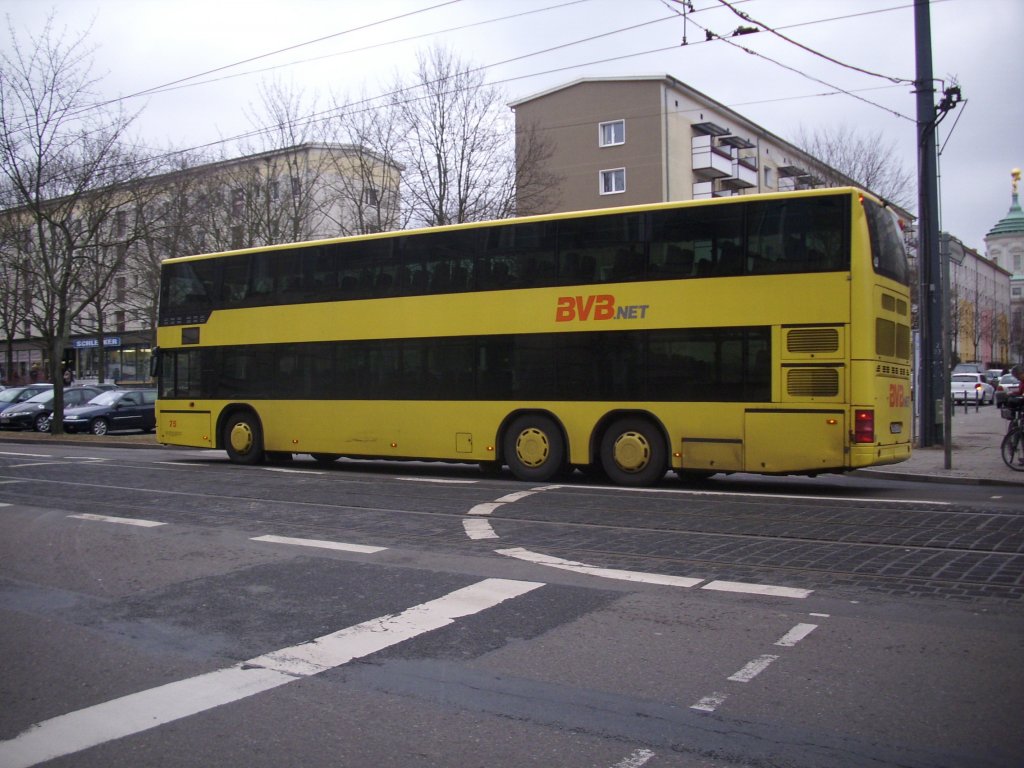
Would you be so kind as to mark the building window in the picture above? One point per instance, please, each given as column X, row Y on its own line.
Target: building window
column 769, row 176
column 613, row 181
column 612, row 133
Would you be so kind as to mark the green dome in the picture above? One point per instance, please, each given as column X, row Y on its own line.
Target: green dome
column 1012, row 223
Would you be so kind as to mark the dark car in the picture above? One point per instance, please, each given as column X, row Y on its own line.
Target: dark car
column 14, row 395
column 36, row 412
column 114, row 411
column 1007, row 386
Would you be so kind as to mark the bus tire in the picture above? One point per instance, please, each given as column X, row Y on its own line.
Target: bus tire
column 243, row 438
column 633, row 452
column 534, row 449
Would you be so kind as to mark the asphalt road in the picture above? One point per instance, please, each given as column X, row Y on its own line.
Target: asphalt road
column 165, row 608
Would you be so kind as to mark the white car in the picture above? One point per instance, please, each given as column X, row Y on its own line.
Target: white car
column 971, row 388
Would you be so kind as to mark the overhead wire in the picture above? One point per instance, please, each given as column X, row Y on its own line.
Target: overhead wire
column 713, row 36
column 826, row 57
column 327, row 114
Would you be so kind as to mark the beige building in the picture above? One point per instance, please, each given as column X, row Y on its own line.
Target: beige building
column 630, row 140
column 304, row 192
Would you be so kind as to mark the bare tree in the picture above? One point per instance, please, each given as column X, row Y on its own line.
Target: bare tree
column 458, row 149
column 868, row 158
column 13, row 246
column 367, row 174
column 58, row 153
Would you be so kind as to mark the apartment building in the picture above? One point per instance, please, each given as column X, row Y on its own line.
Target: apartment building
column 304, row 192
column 630, row 140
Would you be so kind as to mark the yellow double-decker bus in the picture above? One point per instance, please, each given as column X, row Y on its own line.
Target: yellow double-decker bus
column 764, row 333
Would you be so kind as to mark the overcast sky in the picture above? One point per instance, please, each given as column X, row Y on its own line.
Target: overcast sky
column 353, row 46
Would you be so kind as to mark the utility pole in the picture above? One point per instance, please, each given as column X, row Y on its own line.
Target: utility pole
column 930, row 299
column 933, row 376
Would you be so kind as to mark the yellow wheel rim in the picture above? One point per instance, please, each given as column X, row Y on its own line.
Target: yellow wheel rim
column 242, row 438
column 632, row 451
column 532, row 447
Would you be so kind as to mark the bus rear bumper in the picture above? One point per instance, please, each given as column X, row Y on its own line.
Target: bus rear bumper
column 876, row 455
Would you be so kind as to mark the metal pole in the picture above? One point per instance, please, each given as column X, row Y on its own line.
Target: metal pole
column 930, row 297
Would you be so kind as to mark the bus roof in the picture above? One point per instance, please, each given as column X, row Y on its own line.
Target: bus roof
column 535, row 218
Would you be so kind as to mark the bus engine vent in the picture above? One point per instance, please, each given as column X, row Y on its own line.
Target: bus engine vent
column 812, row 382
column 806, row 340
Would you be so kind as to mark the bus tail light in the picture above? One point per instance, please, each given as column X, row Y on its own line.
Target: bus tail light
column 864, row 426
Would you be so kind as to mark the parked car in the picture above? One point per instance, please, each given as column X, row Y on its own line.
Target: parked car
column 1008, row 386
column 14, row 395
column 971, row 387
column 37, row 412
column 992, row 375
column 968, row 368
column 114, row 411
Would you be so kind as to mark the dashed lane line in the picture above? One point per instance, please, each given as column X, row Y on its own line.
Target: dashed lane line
column 118, row 520
column 321, row 544
column 137, row 712
column 753, row 668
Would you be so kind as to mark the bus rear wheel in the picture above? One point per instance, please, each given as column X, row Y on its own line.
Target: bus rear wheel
column 534, row 449
column 243, row 439
column 633, row 452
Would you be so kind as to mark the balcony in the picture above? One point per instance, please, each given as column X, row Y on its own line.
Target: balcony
column 705, row 190
column 709, row 161
column 744, row 174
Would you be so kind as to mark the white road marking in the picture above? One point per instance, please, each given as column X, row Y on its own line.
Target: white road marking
column 516, row 496
column 320, row 543
column 27, row 455
column 636, row 759
column 119, row 520
column 753, row 669
column 820, row 615
column 485, row 509
column 608, row 573
column 757, row 589
column 795, row 635
column 437, row 480
column 478, row 528
column 137, row 712
column 710, row 703
column 292, row 471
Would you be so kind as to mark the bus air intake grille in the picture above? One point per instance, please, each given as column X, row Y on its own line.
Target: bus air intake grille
column 808, row 340
column 812, row 382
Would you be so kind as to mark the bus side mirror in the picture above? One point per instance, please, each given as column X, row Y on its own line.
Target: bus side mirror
column 154, row 364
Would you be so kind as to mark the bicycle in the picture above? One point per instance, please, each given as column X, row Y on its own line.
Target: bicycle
column 1012, row 448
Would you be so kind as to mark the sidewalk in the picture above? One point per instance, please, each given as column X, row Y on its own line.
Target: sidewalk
column 975, row 456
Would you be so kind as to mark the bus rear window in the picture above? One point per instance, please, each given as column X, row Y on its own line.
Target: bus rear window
column 887, row 253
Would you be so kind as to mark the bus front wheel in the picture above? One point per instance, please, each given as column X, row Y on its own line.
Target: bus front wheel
column 534, row 448
column 633, row 452
column 243, row 439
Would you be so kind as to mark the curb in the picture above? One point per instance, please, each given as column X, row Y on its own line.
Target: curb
column 918, row 477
